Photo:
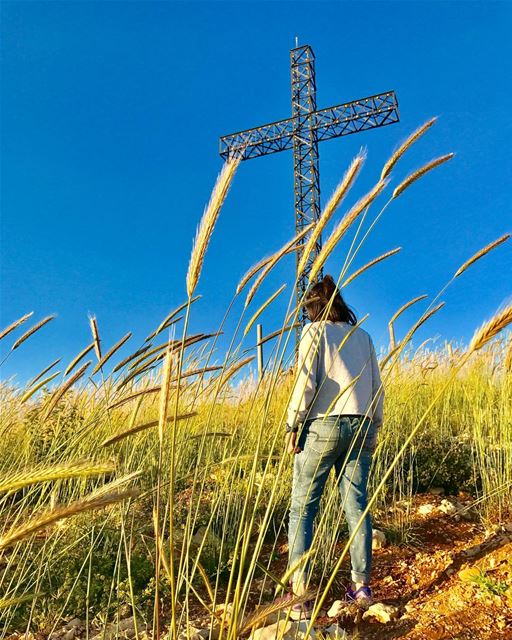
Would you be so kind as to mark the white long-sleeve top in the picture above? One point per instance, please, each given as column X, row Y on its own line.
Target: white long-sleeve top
column 337, row 374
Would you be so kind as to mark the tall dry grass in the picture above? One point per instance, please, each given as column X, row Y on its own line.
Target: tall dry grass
column 200, row 441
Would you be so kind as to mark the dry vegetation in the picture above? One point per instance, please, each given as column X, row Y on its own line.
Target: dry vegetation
column 155, row 484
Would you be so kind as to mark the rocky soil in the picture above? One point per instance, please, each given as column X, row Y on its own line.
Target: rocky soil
column 452, row 579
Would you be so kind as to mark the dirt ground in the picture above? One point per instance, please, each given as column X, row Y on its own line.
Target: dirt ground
column 451, row 579
column 449, row 582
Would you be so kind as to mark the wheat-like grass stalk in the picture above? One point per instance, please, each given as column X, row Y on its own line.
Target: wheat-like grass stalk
column 258, row 267
column 370, row 264
column 262, row 308
column 147, row 356
column 49, row 518
column 143, row 427
column 7, row 603
column 481, row 254
column 208, row 221
column 65, row 471
column 336, row 199
column 231, row 371
column 14, row 325
column 31, row 331
column 274, row 334
column 415, row 135
column 491, row 328
column 256, row 617
column 111, row 352
column 157, row 388
column 171, row 319
column 60, row 391
column 508, row 357
column 420, row 322
column 131, row 357
column 93, row 323
column 78, row 358
column 343, row 227
column 398, row 313
column 406, row 306
column 146, row 367
column 165, row 393
column 132, row 396
column 43, row 372
column 416, row 175
column 33, row 390
column 111, row 487
column 144, row 362
column 274, row 260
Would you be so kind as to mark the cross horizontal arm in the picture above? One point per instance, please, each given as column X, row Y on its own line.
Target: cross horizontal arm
column 367, row 113
column 260, row 141
column 333, row 122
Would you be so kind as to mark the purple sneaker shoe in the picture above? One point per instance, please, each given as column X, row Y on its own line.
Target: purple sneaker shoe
column 302, row 611
column 362, row 596
column 299, row 611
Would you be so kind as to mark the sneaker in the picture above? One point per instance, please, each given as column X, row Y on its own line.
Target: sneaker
column 302, row 611
column 299, row 611
column 362, row 596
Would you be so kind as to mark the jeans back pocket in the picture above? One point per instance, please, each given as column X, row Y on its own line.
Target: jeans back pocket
column 323, row 435
column 363, row 431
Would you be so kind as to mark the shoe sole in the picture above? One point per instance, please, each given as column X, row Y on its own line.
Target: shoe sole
column 300, row 615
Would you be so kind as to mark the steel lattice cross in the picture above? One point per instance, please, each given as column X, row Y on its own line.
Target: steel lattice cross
column 302, row 133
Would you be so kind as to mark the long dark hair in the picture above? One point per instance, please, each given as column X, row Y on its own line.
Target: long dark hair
column 320, row 296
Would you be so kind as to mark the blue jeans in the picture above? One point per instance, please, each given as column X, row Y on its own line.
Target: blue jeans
column 345, row 443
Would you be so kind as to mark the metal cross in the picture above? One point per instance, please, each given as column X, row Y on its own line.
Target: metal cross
column 302, row 133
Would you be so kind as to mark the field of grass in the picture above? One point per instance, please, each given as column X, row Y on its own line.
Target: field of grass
column 155, row 484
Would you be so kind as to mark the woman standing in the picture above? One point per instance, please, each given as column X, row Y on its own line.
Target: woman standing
column 338, row 399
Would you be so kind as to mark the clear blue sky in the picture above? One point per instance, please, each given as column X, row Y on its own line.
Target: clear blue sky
column 111, row 113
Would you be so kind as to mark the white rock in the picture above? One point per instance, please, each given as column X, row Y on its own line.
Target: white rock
column 285, row 630
column 381, row 612
column 426, row 509
column 448, row 507
column 337, row 608
column 126, row 626
column 378, row 539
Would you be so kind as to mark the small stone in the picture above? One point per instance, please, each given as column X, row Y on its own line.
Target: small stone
column 381, row 612
column 199, row 535
column 448, row 507
column 378, row 539
column 426, row 509
column 337, row 609
column 76, row 622
column 286, row 630
column 192, row 633
column 224, row 609
column 437, row 491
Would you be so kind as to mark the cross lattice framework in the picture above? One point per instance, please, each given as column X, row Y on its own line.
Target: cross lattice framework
column 302, row 133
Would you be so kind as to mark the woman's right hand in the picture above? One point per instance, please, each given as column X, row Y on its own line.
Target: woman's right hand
column 292, row 443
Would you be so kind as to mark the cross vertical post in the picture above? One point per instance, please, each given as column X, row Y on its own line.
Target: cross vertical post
column 305, row 159
column 302, row 133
